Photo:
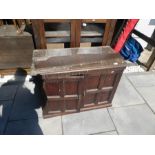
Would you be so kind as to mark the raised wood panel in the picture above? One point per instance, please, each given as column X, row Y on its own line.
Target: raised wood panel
column 54, row 106
column 71, row 87
column 71, row 105
column 109, row 80
column 52, row 88
column 89, row 99
column 78, row 79
column 79, row 93
column 92, row 82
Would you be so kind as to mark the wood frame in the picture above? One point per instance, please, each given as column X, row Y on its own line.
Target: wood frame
column 39, row 33
column 109, row 30
column 75, row 30
column 150, row 63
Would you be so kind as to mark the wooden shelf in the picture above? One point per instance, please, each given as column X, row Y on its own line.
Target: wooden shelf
column 94, row 20
column 89, row 33
column 72, row 31
column 57, row 34
column 57, row 20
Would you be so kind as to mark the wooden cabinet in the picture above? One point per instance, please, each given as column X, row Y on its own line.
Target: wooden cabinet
column 78, row 79
column 15, row 49
column 72, row 32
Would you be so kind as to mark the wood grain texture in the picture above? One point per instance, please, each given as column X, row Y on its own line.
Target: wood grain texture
column 78, row 79
column 39, row 33
column 111, row 32
column 94, row 20
column 74, row 34
column 15, row 49
column 106, row 32
column 57, row 20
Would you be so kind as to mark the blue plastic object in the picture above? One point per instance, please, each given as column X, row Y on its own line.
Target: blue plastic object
column 131, row 50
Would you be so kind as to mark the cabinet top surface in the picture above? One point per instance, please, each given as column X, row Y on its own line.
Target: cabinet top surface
column 56, row 61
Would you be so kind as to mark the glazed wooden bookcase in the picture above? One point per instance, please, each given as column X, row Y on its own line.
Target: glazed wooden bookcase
column 78, row 79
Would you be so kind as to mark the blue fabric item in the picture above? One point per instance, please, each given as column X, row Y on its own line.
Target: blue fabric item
column 131, row 50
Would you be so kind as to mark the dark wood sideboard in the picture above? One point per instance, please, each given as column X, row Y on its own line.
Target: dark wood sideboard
column 78, row 79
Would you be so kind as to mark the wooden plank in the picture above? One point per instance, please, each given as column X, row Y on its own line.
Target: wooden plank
column 15, row 50
column 48, row 115
column 80, row 93
column 11, row 31
column 1, row 22
column 78, row 33
column 69, row 59
column 62, row 94
column 91, row 34
column 152, row 67
column 94, row 20
column 99, row 87
column 151, row 60
column 39, row 33
column 57, row 20
column 14, row 61
column 145, row 38
column 111, row 31
column 91, row 40
column 106, row 32
column 58, row 40
column 56, row 34
column 149, row 47
column 73, row 34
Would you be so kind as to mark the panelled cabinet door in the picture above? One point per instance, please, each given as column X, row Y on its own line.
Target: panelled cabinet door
column 80, row 93
column 64, row 95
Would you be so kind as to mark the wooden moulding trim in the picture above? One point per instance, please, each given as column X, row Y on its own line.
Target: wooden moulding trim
column 105, row 89
column 54, row 114
column 66, row 97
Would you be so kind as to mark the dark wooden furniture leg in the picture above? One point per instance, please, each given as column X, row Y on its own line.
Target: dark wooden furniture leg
column 151, row 61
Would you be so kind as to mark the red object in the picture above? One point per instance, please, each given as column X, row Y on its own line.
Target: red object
column 124, row 35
